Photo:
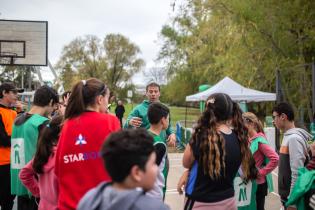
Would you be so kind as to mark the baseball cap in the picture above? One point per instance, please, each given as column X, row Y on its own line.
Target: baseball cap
column 9, row 86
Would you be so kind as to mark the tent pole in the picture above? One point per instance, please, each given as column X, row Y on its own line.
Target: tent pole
column 186, row 114
column 313, row 88
column 278, row 95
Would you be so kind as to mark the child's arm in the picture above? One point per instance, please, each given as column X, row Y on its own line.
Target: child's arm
column 188, row 158
column 273, row 157
column 182, row 182
column 27, row 177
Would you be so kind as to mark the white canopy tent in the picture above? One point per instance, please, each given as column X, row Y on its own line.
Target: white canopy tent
column 236, row 91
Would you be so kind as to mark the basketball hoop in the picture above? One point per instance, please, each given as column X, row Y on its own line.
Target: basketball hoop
column 28, row 40
column 7, row 58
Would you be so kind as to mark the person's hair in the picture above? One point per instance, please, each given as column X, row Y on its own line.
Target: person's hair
column 82, row 95
column 252, row 118
column 156, row 112
column 152, row 84
column 241, row 132
column 6, row 86
column 47, row 140
column 253, row 171
column 124, row 149
column 284, row 108
column 219, row 108
column 44, row 95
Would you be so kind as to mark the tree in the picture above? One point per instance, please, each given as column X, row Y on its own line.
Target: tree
column 84, row 56
column 246, row 40
column 122, row 60
column 115, row 60
column 68, row 77
column 19, row 75
column 155, row 74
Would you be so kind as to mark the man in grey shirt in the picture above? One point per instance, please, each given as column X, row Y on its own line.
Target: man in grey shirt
column 293, row 150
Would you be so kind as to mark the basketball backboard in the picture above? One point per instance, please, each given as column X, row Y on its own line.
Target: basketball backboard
column 23, row 42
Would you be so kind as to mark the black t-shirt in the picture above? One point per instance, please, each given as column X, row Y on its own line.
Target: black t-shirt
column 202, row 187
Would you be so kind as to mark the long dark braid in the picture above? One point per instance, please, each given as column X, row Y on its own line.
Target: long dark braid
column 242, row 135
column 219, row 107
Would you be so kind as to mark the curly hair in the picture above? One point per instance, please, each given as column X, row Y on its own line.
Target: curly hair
column 242, row 135
column 219, row 108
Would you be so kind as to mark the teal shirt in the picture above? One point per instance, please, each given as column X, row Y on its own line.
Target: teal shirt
column 141, row 111
column 23, row 146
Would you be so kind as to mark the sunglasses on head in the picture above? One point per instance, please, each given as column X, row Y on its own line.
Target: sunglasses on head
column 247, row 120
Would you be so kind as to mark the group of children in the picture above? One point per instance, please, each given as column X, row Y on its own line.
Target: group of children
column 228, row 149
column 229, row 160
column 54, row 162
column 80, row 159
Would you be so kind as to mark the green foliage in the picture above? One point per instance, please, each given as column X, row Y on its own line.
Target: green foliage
column 15, row 74
column 68, row 77
column 121, row 59
column 246, row 40
column 114, row 60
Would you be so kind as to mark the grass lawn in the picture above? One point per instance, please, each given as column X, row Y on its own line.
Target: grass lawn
column 177, row 113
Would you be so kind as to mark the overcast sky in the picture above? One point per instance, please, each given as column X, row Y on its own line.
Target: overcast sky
column 139, row 20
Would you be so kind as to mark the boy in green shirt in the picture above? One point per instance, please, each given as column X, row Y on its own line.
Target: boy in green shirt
column 158, row 116
column 26, row 130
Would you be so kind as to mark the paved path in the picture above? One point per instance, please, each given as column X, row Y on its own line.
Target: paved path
column 176, row 201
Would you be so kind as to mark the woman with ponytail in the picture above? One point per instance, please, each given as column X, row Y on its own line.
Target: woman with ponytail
column 38, row 176
column 79, row 165
column 215, row 154
column 265, row 157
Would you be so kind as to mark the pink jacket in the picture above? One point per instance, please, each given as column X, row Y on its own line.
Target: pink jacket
column 264, row 150
column 46, row 186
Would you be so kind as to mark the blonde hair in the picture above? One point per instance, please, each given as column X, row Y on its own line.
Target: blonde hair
column 252, row 118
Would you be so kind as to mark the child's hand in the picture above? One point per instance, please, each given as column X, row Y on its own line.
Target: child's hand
column 19, row 106
column 182, row 182
column 66, row 99
column 135, row 122
column 171, row 141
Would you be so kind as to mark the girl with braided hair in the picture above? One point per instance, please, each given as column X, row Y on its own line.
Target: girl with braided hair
column 38, row 176
column 215, row 154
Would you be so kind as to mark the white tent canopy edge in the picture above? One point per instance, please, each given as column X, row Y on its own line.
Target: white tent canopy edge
column 236, row 91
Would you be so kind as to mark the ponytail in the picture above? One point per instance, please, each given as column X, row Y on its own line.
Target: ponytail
column 241, row 132
column 259, row 126
column 47, row 140
column 82, row 95
column 212, row 144
column 75, row 104
column 220, row 108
